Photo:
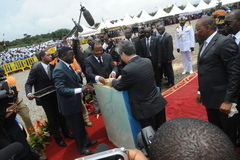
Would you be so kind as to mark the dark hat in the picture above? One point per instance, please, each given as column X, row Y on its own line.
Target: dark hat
column 220, row 20
column 59, row 46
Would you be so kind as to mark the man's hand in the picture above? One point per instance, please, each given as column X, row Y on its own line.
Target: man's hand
column 119, row 77
column 225, row 107
column 10, row 110
column 112, row 75
column 159, row 65
column 198, row 99
column 102, row 80
column 30, row 96
column 135, row 154
column 192, row 49
column 87, row 88
column 178, row 50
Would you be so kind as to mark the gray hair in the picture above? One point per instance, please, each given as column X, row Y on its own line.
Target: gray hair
column 127, row 47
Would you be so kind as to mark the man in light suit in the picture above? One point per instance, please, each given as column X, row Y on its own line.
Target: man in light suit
column 148, row 48
column 40, row 77
column 99, row 66
column 218, row 76
column 69, row 99
column 166, row 54
column 185, row 44
column 147, row 104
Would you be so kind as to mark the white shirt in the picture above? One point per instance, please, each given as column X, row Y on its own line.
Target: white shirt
column 237, row 40
column 97, row 77
column 45, row 67
column 76, row 90
column 210, row 38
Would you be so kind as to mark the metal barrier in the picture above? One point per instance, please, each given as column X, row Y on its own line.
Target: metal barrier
column 18, row 65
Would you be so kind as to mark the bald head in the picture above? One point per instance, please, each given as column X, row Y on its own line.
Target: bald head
column 190, row 138
column 205, row 27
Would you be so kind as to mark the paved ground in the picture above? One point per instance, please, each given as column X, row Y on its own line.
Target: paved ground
column 36, row 112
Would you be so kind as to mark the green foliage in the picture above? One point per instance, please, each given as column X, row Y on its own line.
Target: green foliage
column 40, row 138
column 30, row 40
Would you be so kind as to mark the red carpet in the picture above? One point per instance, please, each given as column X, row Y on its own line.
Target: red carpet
column 181, row 99
column 181, row 103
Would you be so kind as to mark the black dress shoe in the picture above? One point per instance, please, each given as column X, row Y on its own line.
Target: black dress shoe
column 86, row 152
column 69, row 136
column 166, row 84
column 169, row 86
column 91, row 143
column 61, row 143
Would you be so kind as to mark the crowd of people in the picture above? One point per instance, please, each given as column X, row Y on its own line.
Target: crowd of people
column 22, row 53
column 138, row 64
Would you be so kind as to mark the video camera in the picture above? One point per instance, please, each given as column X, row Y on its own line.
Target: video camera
column 112, row 154
column 7, row 94
column 144, row 140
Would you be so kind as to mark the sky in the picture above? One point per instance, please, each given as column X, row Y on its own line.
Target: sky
column 32, row 17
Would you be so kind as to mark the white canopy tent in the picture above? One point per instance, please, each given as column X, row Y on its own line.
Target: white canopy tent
column 202, row 5
column 87, row 30
column 108, row 24
column 127, row 20
column 224, row 2
column 145, row 17
column 136, row 19
column 160, row 13
column 175, row 10
column 213, row 3
column 189, row 8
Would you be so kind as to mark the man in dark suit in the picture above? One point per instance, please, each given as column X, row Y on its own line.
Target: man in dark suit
column 40, row 77
column 147, row 104
column 166, row 54
column 232, row 26
column 69, row 99
column 128, row 37
column 149, row 49
column 99, row 66
column 218, row 75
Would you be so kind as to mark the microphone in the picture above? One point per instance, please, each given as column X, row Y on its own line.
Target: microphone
column 101, row 147
column 88, row 17
column 11, row 151
column 77, row 26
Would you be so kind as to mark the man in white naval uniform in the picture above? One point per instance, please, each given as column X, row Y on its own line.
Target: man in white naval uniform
column 185, row 44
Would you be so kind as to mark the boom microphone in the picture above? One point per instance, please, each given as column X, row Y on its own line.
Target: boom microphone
column 11, row 151
column 78, row 27
column 88, row 17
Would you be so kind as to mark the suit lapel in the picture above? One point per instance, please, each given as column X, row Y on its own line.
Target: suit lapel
column 42, row 70
column 211, row 43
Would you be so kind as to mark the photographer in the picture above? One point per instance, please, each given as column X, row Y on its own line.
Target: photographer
column 23, row 109
column 10, row 130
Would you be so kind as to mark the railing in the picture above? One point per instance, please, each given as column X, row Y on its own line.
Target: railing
column 18, row 65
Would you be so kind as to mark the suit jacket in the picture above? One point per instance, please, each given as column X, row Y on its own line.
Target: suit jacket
column 66, row 81
column 218, row 72
column 153, row 49
column 39, row 79
column 166, row 48
column 93, row 67
column 138, row 80
column 87, row 52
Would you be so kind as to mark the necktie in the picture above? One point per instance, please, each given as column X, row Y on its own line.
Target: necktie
column 148, row 48
column 203, row 48
column 160, row 37
column 100, row 61
column 49, row 72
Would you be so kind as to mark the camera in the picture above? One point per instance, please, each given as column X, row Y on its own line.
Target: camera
column 113, row 154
